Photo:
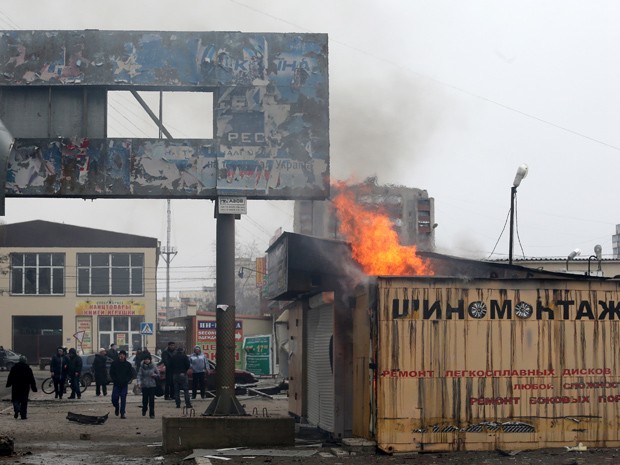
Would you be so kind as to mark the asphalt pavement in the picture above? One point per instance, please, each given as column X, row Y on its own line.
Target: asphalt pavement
column 48, row 437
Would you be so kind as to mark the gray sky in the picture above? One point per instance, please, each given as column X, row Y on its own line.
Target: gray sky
column 447, row 96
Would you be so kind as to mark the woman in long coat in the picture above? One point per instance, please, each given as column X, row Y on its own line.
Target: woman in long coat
column 100, row 367
column 21, row 381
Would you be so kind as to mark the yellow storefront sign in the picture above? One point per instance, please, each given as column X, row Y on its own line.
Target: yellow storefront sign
column 109, row 308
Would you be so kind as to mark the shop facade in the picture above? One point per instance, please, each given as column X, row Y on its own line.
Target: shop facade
column 78, row 287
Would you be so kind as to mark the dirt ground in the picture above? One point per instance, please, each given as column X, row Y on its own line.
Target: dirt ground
column 47, row 437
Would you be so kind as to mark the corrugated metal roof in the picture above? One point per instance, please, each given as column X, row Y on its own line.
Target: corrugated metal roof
column 39, row 233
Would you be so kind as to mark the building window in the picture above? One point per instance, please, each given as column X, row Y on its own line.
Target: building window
column 110, row 273
column 37, row 273
column 124, row 331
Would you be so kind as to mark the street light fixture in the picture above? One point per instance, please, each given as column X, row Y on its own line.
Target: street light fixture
column 571, row 256
column 521, row 173
column 598, row 255
column 240, row 273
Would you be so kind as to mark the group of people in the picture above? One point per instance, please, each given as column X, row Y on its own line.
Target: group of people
column 177, row 363
column 121, row 374
column 68, row 365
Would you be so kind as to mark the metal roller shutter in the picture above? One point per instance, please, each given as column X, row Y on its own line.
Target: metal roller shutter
column 320, row 377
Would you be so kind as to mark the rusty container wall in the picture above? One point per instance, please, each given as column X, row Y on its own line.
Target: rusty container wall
column 297, row 383
column 487, row 364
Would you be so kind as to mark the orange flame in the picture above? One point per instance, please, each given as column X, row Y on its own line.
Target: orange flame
column 375, row 244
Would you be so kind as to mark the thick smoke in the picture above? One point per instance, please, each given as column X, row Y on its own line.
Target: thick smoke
column 381, row 126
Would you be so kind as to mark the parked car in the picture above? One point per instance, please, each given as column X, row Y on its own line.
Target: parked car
column 10, row 359
column 156, row 359
column 88, row 374
column 242, row 377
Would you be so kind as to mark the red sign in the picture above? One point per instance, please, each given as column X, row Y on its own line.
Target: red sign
column 206, row 332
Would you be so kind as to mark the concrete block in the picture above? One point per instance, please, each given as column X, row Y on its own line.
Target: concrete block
column 359, row 446
column 215, row 432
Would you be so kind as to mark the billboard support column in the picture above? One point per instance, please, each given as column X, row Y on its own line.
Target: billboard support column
column 225, row 402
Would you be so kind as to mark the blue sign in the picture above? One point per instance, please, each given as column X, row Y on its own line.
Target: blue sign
column 146, row 329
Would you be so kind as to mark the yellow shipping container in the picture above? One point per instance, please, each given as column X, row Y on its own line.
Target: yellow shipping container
column 487, row 363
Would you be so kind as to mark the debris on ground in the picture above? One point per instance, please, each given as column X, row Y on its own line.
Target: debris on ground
column 578, row 448
column 7, row 445
column 87, row 419
column 244, row 452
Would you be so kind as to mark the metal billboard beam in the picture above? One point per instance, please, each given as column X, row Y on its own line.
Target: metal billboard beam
column 157, row 120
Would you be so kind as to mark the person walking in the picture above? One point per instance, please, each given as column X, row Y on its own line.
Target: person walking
column 166, row 357
column 148, row 376
column 179, row 364
column 2, row 358
column 21, row 381
column 74, row 371
column 100, row 368
column 112, row 353
column 121, row 373
column 198, row 363
column 141, row 354
column 58, row 371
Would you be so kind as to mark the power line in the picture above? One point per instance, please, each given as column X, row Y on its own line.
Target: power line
column 120, row 113
column 7, row 20
column 435, row 80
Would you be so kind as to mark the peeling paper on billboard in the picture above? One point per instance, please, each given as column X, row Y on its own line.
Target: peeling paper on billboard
column 271, row 114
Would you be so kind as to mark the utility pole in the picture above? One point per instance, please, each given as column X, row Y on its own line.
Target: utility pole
column 168, row 253
column 225, row 401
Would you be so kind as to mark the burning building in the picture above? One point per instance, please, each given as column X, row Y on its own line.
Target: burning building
column 429, row 352
column 410, row 211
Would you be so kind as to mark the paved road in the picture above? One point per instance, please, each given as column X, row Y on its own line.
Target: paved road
column 47, row 437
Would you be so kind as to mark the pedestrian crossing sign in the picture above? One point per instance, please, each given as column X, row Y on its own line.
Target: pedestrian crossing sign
column 146, row 329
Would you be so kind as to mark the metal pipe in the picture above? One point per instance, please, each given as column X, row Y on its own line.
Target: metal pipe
column 6, row 144
column 513, row 194
column 521, row 174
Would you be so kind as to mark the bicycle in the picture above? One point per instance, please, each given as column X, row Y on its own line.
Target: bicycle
column 47, row 386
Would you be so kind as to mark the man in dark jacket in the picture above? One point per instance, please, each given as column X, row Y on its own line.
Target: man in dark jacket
column 2, row 358
column 100, row 370
column 21, row 381
column 74, row 371
column 58, row 371
column 121, row 373
column 166, row 358
column 141, row 354
column 112, row 353
column 179, row 364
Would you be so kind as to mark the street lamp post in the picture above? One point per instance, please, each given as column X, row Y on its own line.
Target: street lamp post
column 521, row 173
column 241, row 274
column 598, row 255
